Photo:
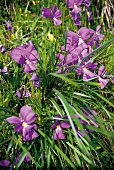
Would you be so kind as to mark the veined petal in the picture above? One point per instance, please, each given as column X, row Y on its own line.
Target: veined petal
column 57, row 22
column 29, row 67
column 33, row 56
column 58, row 134
column 29, row 133
column 24, row 111
column 101, row 70
column 54, row 9
column 103, row 82
column 18, row 55
column 13, row 120
column 30, row 118
column 65, row 125
column 58, row 14
column 18, row 127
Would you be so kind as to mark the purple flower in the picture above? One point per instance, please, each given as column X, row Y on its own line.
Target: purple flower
column 58, row 126
column 84, row 70
column 89, row 14
column 4, row 70
column 87, row 122
column 26, row 159
column 26, row 93
column 23, row 124
column 74, row 3
column 101, row 72
column 18, row 93
column 2, row 49
column 54, row 14
column 76, row 18
column 86, row 3
column 9, row 26
column 26, row 55
column 5, row 163
column 35, row 79
column 97, row 36
column 79, row 133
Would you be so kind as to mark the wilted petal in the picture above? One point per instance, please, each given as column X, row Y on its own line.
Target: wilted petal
column 26, row 93
column 9, row 26
column 34, row 77
column 18, row 94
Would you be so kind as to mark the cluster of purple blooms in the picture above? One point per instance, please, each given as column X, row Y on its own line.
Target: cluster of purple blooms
column 6, row 163
column 60, row 124
column 78, row 46
column 23, row 123
column 75, row 6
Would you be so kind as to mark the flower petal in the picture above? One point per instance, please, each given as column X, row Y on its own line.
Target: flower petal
column 58, row 134
column 24, row 111
column 65, row 125
column 29, row 133
column 17, row 54
column 13, row 120
column 18, row 127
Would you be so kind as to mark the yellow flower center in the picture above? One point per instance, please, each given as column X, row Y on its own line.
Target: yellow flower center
column 24, row 124
column 27, row 62
column 54, row 19
column 51, row 37
column 58, row 127
column 84, row 69
column 80, row 40
column 75, row 6
column 14, row 166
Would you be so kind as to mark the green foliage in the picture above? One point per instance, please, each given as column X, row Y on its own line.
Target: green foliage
column 93, row 151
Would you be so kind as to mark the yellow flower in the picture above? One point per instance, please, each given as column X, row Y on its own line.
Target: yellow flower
column 20, row 10
column 34, row 3
column 51, row 37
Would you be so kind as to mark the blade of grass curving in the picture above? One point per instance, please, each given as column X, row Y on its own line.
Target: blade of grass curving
column 58, row 149
column 26, row 152
column 103, row 98
column 81, row 154
column 67, row 110
column 56, row 106
column 63, row 77
column 96, row 50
